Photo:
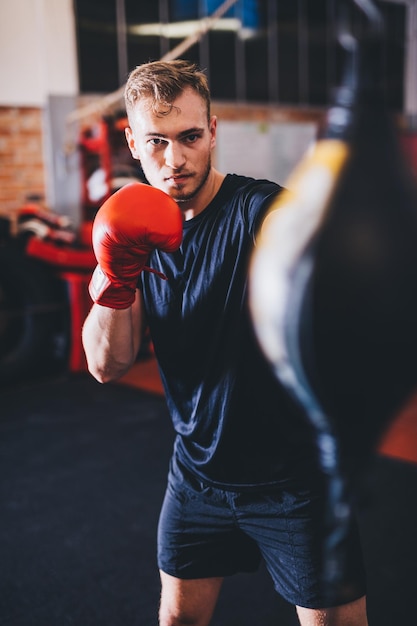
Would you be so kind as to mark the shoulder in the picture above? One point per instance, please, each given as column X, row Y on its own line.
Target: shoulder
column 252, row 198
column 246, row 184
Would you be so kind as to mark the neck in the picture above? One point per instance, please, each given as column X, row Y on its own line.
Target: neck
column 191, row 208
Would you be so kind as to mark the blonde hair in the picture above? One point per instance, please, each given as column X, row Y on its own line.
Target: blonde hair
column 162, row 82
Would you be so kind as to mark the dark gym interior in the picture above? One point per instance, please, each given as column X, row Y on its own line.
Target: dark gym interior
column 83, row 465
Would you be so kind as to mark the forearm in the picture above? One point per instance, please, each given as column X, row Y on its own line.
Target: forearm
column 111, row 340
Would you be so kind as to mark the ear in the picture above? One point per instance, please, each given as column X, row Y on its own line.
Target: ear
column 131, row 143
column 213, row 130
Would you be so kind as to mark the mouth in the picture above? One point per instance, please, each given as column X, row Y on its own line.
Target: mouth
column 178, row 179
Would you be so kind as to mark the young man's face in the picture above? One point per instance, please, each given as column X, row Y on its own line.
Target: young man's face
column 174, row 149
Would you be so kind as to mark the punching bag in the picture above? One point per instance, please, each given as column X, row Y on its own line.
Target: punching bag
column 333, row 281
column 333, row 278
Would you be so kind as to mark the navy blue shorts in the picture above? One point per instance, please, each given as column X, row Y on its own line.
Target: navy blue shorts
column 206, row 532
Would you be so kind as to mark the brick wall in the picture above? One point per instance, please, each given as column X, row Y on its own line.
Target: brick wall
column 22, row 166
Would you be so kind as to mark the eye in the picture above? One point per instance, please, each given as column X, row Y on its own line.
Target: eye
column 156, row 141
column 192, row 138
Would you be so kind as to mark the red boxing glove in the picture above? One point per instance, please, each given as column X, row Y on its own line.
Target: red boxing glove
column 130, row 224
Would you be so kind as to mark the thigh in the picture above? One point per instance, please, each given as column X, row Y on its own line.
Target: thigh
column 288, row 527
column 350, row 614
column 188, row 601
column 198, row 536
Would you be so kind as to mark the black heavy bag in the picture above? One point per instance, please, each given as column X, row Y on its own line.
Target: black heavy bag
column 333, row 282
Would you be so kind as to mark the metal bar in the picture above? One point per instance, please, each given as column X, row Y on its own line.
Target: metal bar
column 121, row 41
column 163, row 19
column 272, row 34
column 302, row 52
column 240, row 65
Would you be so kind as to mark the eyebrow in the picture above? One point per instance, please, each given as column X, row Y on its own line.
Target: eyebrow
column 183, row 133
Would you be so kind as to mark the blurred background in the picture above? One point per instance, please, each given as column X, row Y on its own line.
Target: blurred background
column 272, row 66
column 76, row 547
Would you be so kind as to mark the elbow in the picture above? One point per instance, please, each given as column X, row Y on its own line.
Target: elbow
column 100, row 375
column 107, row 373
column 105, row 367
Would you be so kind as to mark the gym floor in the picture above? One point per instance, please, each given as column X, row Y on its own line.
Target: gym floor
column 83, row 470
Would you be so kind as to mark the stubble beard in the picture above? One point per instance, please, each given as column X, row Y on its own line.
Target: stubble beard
column 189, row 196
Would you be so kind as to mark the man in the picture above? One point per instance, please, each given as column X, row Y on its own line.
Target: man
column 243, row 482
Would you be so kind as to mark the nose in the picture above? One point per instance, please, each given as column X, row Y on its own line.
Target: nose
column 174, row 156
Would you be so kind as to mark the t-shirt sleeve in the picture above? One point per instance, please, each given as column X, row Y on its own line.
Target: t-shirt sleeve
column 259, row 198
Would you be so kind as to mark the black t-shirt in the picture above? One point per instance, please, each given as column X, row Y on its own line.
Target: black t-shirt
column 236, row 426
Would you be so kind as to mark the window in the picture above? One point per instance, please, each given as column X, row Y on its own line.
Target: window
column 264, row 51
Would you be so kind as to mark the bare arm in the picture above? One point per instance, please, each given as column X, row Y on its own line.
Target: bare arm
column 131, row 223
column 111, row 339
